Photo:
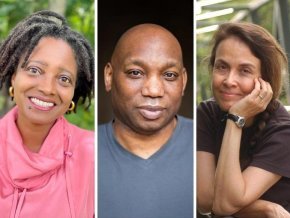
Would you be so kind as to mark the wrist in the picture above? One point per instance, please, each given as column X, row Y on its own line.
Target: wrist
column 238, row 120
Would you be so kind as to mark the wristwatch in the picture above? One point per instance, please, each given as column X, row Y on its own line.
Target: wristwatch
column 239, row 120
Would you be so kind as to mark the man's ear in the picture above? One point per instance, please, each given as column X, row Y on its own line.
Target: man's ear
column 108, row 76
column 184, row 79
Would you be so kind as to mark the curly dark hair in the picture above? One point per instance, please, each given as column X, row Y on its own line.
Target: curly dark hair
column 25, row 37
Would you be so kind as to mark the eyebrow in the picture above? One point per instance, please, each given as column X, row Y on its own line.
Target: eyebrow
column 45, row 64
column 246, row 64
column 170, row 63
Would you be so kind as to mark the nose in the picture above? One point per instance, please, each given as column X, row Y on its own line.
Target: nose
column 153, row 87
column 47, row 85
column 231, row 78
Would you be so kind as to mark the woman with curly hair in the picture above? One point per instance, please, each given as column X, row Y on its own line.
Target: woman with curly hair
column 46, row 163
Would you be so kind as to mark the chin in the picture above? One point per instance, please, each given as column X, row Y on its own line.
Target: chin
column 225, row 107
column 148, row 129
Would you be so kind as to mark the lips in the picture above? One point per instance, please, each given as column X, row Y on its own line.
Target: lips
column 151, row 112
column 229, row 95
column 41, row 104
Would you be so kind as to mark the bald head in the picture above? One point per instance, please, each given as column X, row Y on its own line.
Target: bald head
column 145, row 36
column 146, row 78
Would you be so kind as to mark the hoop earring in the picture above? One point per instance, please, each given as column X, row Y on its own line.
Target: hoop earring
column 71, row 106
column 11, row 92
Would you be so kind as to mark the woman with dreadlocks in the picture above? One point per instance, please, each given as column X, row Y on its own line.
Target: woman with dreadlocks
column 46, row 163
column 243, row 133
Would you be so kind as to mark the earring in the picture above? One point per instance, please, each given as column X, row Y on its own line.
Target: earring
column 71, row 106
column 11, row 92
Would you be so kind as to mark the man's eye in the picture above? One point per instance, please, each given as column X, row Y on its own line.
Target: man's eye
column 170, row 75
column 135, row 73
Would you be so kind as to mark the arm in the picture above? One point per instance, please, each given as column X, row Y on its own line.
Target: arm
column 233, row 188
column 205, row 181
column 262, row 209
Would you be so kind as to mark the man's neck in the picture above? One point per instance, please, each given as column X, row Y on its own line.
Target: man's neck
column 143, row 145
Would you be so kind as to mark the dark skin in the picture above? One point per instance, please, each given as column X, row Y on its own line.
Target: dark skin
column 147, row 79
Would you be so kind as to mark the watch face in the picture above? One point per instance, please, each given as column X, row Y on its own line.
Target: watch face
column 241, row 122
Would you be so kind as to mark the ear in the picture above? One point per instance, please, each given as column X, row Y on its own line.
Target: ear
column 13, row 79
column 108, row 76
column 184, row 79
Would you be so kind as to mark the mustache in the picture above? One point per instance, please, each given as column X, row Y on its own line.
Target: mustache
column 154, row 102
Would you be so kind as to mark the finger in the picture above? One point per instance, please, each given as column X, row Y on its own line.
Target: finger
column 264, row 89
column 269, row 92
column 256, row 90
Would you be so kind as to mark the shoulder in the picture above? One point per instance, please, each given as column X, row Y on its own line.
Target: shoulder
column 208, row 111
column 105, row 130
column 185, row 122
column 81, row 139
column 79, row 133
column 280, row 115
column 208, row 106
column 104, row 126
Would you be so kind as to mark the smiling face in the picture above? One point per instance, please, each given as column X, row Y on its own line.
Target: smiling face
column 235, row 68
column 44, row 87
column 147, row 80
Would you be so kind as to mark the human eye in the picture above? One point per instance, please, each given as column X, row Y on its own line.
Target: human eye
column 246, row 71
column 34, row 70
column 135, row 74
column 170, row 75
column 220, row 66
column 65, row 80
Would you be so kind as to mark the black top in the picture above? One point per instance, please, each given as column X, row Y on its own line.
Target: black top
column 271, row 153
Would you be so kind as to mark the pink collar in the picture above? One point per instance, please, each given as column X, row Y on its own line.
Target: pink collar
column 28, row 170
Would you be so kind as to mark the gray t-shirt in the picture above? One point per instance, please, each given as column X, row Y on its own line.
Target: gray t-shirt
column 158, row 187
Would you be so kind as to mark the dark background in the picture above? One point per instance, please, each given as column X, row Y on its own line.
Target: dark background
column 114, row 18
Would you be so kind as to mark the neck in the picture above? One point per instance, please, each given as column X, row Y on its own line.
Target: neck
column 139, row 144
column 33, row 135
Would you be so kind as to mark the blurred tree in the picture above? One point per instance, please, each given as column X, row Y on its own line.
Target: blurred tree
column 264, row 16
column 80, row 15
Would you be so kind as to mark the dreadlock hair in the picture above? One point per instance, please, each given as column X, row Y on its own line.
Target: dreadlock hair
column 25, row 37
column 273, row 63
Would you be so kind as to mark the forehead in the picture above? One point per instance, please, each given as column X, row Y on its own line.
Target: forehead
column 150, row 48
column 236, row 49
column 54, row 52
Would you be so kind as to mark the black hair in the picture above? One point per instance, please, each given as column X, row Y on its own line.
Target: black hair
column 25, row 37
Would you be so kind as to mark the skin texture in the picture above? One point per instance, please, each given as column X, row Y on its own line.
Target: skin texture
column 147, row 79
column 236, row 86
column 49, row 76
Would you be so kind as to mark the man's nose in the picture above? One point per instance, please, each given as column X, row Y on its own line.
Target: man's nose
column 153, row 87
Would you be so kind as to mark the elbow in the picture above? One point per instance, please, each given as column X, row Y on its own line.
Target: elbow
column 204, row 206
column 204, row 202
column 223, row 208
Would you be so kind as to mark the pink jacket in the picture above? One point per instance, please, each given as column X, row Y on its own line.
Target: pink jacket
column 56, row 182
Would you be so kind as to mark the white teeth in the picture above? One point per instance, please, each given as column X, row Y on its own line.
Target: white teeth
column 41, row 103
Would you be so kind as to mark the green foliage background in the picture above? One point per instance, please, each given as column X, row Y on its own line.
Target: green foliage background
column 80, row 15
column 265, row 14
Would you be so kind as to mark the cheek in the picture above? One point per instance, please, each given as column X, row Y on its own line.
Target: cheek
column 216, row 81
column 66, row 95
column 247, row 85
column 127, row 89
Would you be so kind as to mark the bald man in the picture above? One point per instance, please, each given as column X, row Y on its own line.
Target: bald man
column 145, row 155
